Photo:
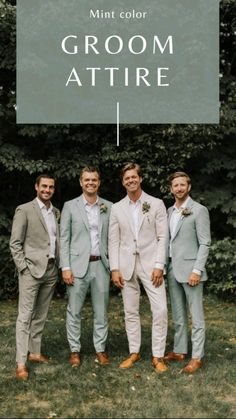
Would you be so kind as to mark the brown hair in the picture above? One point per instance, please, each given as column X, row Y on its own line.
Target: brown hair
column 90, row 169
column 130, row 166
column 43, row 175
column 179, row 174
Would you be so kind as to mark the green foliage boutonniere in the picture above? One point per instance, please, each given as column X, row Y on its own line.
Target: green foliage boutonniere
column 146, row 207
column 103, row 208
column 57, row 215
column 186, row 211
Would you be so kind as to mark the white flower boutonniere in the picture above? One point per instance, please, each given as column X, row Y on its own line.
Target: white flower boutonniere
column 103, row 208
column 185, row 212
column 146, row 207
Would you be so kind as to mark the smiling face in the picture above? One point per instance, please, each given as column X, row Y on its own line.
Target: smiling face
column 90, row 182
column 45, row 190
column 132, row 182
column 180, row 188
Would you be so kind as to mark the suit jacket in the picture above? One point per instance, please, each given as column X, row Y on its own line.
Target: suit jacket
column 191, row 241
column 30, row 242
column 150, row 243
column 75, row 242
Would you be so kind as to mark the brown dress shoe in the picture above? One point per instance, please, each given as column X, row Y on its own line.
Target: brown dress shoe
column 193, row 365
column 129, row 362
column 173, row 356
column 159, row 364
column 74, row 359
column 22, row 372
column 102, row 358
column 38, row 358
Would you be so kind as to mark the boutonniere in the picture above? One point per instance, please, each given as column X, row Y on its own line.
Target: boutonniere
column 185, row 212
column 57, row 215
column 103, row 208
column 146, row 207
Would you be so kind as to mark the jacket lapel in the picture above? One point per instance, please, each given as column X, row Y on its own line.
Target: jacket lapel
column 128, row 214
column 181, row 220
column 39, row 214
column 80, row 204
column 100, row 216
column 142, row 214
column 55, row 212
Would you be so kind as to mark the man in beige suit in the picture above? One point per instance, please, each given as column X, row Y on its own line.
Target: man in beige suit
column 34, row 247
column 137, row 243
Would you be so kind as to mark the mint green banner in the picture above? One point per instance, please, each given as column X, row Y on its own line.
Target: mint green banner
column 152, row 61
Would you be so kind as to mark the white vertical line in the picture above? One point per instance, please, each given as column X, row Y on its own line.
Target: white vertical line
column 117, row 124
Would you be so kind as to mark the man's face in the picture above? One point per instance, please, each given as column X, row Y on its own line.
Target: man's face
column 132, row 181
column 180, row 188
column 90, row 183
column 45, row 189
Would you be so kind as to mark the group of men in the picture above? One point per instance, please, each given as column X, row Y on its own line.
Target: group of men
column 134, row 241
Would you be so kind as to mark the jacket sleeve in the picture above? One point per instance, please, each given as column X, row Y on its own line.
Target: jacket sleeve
column 161, row 233
column 18, row 233
column 113, row 240
column 65, row 236
column 204, row 238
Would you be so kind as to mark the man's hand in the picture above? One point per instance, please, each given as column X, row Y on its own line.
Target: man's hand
column 117, row 279
column 157, row 277
column 68, row 277
column 194, row 279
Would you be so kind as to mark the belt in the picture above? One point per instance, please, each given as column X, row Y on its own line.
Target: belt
column 94, row 258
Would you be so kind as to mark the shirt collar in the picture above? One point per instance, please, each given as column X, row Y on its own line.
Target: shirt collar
column 42, row 205
column 87, row 203
column 184, row 205
column 139, row 201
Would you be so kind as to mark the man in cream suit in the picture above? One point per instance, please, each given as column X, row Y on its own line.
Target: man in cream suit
column 190, row 238
column 137, row 252
column 34, row 247
column 84, row 263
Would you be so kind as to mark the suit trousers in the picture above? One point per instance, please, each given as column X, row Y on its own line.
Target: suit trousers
column 182, row 298
column 131, row 301
column 35, row 295
column 97, row 278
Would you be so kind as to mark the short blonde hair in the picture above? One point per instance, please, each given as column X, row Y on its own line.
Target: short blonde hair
column 179, row 174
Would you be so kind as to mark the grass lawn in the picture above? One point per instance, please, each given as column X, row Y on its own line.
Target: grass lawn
column 57, row 390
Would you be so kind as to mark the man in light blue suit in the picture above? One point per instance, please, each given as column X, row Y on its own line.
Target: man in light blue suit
column 189, row 228
column 84, row 263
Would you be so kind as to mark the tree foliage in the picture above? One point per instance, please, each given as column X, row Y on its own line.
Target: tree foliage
column 206, row 152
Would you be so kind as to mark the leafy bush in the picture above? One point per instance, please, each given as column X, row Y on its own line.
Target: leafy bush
column 221, row 268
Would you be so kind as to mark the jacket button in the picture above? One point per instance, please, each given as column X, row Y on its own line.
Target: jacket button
column 47, row 256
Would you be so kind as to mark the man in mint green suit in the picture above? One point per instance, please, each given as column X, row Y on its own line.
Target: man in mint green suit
column 189, row 228
column 84, row 263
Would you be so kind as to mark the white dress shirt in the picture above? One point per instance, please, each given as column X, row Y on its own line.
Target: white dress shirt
column 92, row 211
column 50, row 222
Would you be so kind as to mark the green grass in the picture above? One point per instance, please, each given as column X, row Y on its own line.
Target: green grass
column 57, row 390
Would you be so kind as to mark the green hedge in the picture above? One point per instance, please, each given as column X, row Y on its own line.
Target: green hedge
column 221, row 268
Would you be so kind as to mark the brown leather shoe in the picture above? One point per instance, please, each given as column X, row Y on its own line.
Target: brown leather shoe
column 159, row 364
column 74, row 359
column 22, row 372
column 38, row 358
column 193, row 365
column 173, row 356
column 102, row 358
column 129, row 362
